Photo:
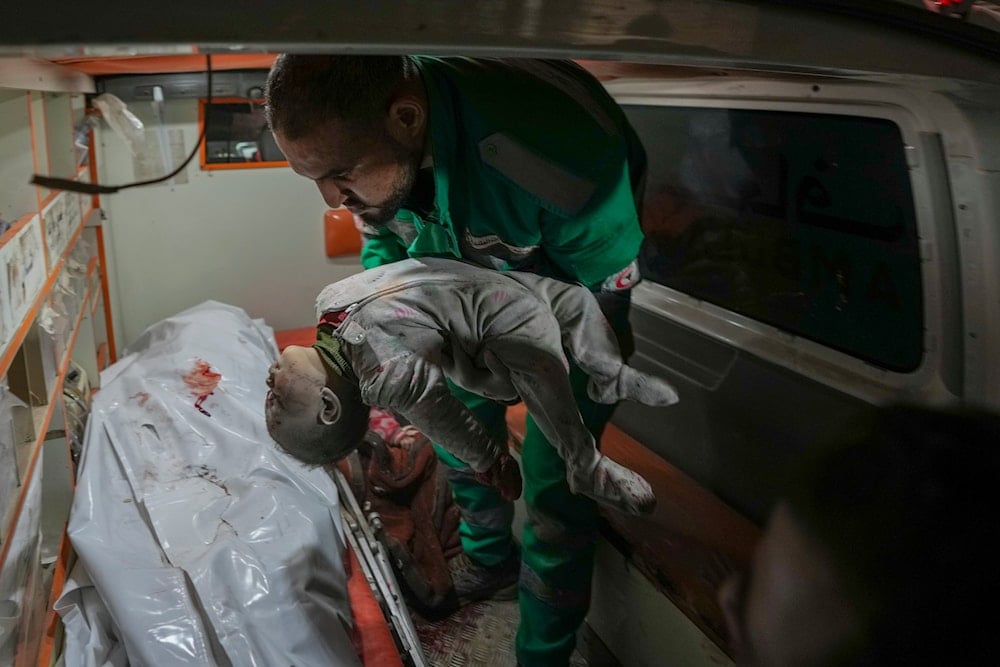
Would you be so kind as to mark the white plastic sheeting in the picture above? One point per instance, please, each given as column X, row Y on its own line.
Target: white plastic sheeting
column 199, row 542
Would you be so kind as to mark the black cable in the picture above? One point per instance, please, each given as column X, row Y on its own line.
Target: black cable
column 54, row 183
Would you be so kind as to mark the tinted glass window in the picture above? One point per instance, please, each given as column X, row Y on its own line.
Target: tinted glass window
column 237, row 132
column 803, row 221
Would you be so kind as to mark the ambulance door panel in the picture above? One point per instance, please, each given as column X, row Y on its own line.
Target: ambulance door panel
column 781, row 285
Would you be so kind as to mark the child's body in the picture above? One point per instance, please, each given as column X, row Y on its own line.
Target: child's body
column 390, row 336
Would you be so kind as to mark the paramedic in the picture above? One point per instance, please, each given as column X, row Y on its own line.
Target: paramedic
column 881, row 552
column 524, row 165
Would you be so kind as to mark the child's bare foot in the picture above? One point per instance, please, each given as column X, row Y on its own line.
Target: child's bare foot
column 616, row 486
column 504, row 475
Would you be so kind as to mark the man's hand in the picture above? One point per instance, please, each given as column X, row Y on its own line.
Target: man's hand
column 504, row 475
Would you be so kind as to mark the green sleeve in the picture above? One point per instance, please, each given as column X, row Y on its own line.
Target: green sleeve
column 382, row 249
column 599, row 241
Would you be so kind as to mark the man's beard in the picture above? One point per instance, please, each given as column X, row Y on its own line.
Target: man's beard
column 409, row 163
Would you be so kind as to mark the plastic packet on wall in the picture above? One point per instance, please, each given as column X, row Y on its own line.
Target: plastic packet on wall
column 12, row 411
column 122, row 121
column 47, row 319
column 81, row 139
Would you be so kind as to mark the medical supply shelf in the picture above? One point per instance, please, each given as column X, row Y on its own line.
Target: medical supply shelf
column 28, row 455
column 54, row 324
column 41, row 419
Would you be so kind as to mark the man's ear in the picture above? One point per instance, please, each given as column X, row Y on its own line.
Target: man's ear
column 407, row 120
column 329, row 414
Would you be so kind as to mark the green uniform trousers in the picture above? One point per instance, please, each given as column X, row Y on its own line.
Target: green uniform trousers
column 560, row 534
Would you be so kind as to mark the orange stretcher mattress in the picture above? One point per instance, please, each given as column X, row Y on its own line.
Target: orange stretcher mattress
column 372, row 638
column 305, row 337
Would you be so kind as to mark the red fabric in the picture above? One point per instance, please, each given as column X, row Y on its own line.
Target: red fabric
column 398, row 476
column 334, row 318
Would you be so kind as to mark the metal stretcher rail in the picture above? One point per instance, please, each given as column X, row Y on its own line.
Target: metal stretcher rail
column 378, row 571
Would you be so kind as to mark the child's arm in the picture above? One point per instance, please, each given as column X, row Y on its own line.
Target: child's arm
column 416, row 388
column 492, row 382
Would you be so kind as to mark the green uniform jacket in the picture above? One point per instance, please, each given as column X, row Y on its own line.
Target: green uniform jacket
column 534, row 169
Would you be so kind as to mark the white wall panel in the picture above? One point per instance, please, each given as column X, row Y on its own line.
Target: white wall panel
column 249, row 237
column 16, row 165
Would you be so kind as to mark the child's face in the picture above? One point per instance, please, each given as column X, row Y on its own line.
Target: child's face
column 295, row 381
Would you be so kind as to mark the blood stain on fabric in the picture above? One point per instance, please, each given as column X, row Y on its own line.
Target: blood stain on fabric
column 202, row 381
column 141, row 397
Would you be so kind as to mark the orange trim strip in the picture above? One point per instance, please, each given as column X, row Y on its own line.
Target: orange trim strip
column 15, row 228
column 91, row 267
column 95, row 203
column 101, row 65
column 202, row 152
column 106, row 294
column 95, row 200
column 48, row 200
column 58, row 580
column 231, row 100
column 201, row 131
column 241, row 165
column 31, row 127
column 42, row 203
column 45, row 132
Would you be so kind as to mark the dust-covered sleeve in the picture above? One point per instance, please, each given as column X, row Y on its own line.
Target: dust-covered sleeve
column 416, row 388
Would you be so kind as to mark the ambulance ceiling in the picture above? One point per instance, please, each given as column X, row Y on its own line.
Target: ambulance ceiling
column 854, row 37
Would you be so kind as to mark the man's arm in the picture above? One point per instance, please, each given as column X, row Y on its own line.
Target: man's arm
column 598, row 242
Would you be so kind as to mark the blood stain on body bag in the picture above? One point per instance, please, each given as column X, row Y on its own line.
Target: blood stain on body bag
column 141, row 397
column 202, row 381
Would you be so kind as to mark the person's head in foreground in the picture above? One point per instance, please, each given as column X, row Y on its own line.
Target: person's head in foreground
column 354, row 125
column 882, row 553
column 311, row 411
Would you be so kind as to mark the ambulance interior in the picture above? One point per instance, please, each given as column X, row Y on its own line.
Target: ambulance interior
column 146, row 516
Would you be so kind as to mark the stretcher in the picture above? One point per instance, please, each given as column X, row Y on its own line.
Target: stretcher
column 197, row 540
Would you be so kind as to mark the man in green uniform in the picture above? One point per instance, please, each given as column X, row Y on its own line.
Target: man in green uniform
column 526, row 165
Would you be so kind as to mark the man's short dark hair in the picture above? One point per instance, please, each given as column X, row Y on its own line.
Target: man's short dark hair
column 906, row 506
column 305, row 91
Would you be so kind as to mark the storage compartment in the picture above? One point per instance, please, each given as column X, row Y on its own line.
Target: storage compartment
column 16, row 434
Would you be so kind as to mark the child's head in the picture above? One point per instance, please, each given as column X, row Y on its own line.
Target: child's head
column 313, row 414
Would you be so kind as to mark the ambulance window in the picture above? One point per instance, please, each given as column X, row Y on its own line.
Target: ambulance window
column 802, row 221
column 236, row 134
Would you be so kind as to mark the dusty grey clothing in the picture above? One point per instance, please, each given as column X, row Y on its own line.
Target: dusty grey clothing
column 410, row 324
